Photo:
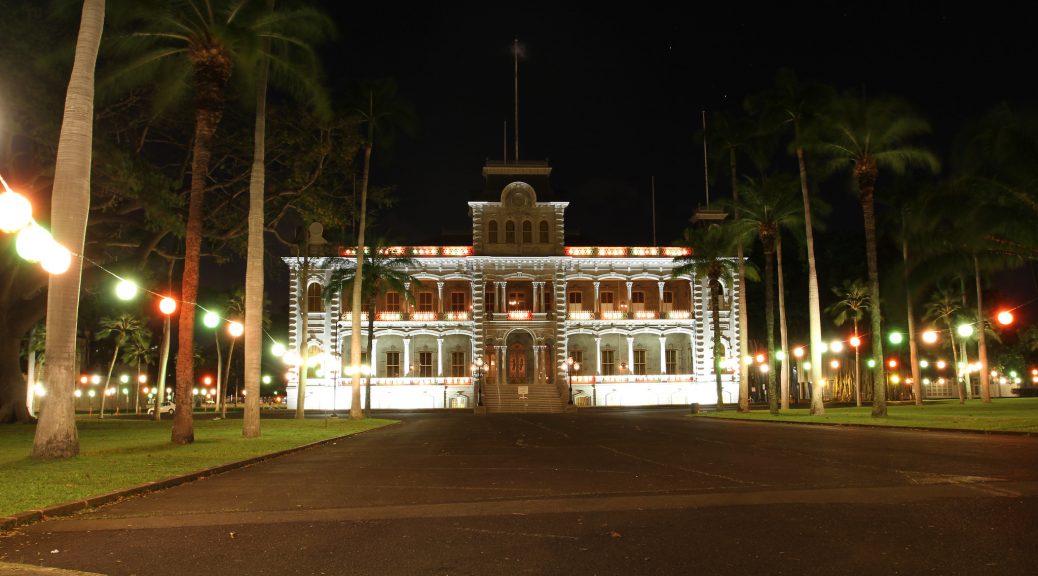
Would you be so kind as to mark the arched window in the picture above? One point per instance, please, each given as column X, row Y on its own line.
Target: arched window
column 544, row 232
column 492, row 232
column 509, row 232
column 527, row 232
column 314, row 302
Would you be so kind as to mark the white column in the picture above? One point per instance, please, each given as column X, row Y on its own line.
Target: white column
column 629, row 286
column 499, row 302
column 660, row 284
column 535, row 305
column 536, row 363
column 502, row 370
column 439, row 297
column 595, row 309
column 407, row 356
column 598, row 353
column 663, row 353
column 439, row 356
column 630, row 352
column 373, row 361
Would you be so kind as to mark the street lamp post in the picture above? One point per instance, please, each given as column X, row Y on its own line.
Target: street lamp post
column 477, row 381
column 569, row 366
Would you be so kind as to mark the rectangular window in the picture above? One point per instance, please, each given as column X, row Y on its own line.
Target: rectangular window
column 637, row 297
column 668, row 297
column 490, row 298
column 517, row 301
column 392, row 364
column 605, row 301
column 578, row 358
column 575, row 301
column 608, row 365
column 639, row 361
column 672, row 361
column 458, row 367
column 392, row 301
column 457, row 301
column 425, row 302
column 425, row 365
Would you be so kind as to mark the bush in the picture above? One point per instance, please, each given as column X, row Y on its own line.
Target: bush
column 1026, row 391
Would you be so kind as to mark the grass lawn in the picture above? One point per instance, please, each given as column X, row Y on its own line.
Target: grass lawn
column 118, row 454
column 1002, row 414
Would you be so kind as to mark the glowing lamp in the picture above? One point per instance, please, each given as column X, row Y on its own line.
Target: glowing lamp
column 211, row 319
column 146, row 390
column 764, row 368
column 836, row 346
column 167, row 306
column 277, row 349
column 84, row 379
column 95, row 379
column 798, row 352
column 126, row 289
column 15, row 212
column 1034, row 372
column 941, row 364
column 124, row 378
column 855, row 341
column 892, row 363
column 208, row 380
column 834, row 364
column 780, row 355
column 194, row 391
column 759, row 358
column 924, row 364
column 292, row 358
column 965, row 330
column 929, row 336
column 896, row 337
column 266, row 378
column 1005, row 317
column 895, row 379
column 57, row 260
column 126, row 391
column 33, row 243
column 143, row 378
column 91, row 393
column 235, row 329
column 871, row 363
column 77, row 393
column 807, row 365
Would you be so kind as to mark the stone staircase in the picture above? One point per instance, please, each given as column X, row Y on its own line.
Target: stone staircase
column 505, row 399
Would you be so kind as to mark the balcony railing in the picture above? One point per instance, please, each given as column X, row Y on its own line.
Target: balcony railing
column 387, row 316
column 587, row 315
column 639, row 378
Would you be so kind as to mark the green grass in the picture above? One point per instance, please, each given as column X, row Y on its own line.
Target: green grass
column 117, row 454
column 1002, row 414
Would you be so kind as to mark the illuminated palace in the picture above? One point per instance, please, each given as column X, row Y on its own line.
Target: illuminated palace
column 497, row 323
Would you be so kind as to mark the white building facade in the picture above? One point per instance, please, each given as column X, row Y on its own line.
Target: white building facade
column 494, row 324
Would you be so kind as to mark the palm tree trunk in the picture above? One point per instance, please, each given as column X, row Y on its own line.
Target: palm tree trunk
column 254, row 257
column 913, row 353
column 814, row 303
column 137, row 392
column 716, row 321
column 227, row 374
column 967, row 380
column 955, row 360
column 857, row 368
column 358, row 280
column 371, row 361
column 211, row 73
column 164, row 351
column 879, row 386
column 982, row 346
column 108, row 380
column 744, row 376
column 769, row 319
column 56, row 434
column 783, row 334
column 219, row 365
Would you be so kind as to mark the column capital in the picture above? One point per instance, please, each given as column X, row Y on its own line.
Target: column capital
column 630, row 338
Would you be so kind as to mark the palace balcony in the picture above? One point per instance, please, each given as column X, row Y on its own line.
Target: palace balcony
column 388, row 316
column 635, row 315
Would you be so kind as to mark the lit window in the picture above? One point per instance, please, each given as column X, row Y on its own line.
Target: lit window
column 517, row 301
column 668, row 297
column 392, row 301
column 608, row 364
column 672, row 361
column 492, row 232
column 576, row 298
column 425, row 365
column 457, row 301
column 544, row 232
column 314, row 302
column 458, row 366
column 392, row 364
column 425, row 302
column 639, row 361
column 578, row 358
column 509, row 232
column 638, row 297
column 527, row 232
column 606, row 298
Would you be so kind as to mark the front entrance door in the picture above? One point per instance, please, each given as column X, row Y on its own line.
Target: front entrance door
column 517, row 363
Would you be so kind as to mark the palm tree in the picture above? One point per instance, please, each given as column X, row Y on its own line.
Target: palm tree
column 944, row 306
column 767, row 206
column 309, row 27
column 791, row 104
column 125, row 328
column 852, row 304
column 392, row 113
column 140, row 352
column 711, row 259
column 56, row 434
column 383, row 273
column 864, row 136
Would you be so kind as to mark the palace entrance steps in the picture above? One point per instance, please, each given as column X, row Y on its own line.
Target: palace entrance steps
column 505, row 398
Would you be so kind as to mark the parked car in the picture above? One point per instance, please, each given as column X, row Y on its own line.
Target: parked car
column 164, row 408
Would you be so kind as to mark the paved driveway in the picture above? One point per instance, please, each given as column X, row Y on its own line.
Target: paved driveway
column 638, row 492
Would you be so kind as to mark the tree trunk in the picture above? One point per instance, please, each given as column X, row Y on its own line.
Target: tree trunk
column 769, row 317
column 783, row 334
column 254, row 258
column 371, row 361
column 913, row 352
column 744, row 376
column 358, row 280
column 982, row 346
column 866, row 186
column 227, row 373
column 955, row 361
column 163, row 367
column 857, row 368
column 716, row 321
column 814, row 304
column 30, row 372
column 220, row 377
column 108, row 380
column 211, row 73
column 56, row 434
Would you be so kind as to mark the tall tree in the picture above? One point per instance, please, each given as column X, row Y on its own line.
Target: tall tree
column 852, row 304
column 863, row 136
column 56, row 434
column 792, row 106
column 124, row 327
column 711, row 258
column 384, row 273
column 944, row 305
column 139, row 352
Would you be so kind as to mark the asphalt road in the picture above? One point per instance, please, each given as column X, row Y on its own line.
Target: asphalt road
column 647, row 492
